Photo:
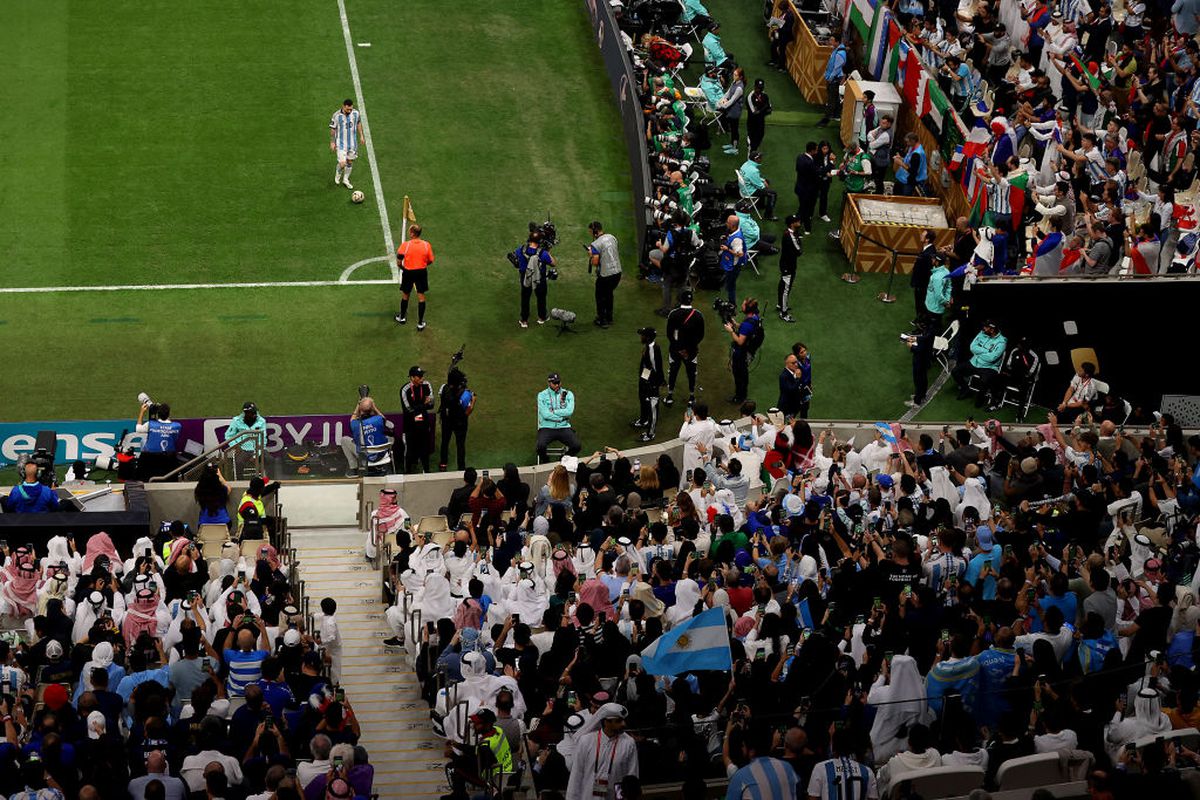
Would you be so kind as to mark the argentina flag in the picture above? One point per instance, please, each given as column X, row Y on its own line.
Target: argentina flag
column 700, row 643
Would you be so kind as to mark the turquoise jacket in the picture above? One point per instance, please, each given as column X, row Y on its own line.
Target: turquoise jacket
column 987, row 352
column 555, row 408
column 693, row 9
column 238, row 425
column 938, row 293
column 753, row 177
column 751, row 233
column 714, row 53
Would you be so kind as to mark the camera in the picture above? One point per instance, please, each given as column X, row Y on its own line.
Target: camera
column 548, row 232
column 662, row 209
column 725, row 309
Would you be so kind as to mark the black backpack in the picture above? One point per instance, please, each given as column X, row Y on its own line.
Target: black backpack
column 754, row 339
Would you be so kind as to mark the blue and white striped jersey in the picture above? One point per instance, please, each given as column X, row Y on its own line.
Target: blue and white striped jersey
column 345, row 129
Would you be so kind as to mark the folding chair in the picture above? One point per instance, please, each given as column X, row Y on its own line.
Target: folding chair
column 941, row 345
column 366, row 465
column 750, row 198
column 1082, row 354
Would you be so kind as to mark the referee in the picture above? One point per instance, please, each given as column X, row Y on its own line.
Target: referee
column 413, row 257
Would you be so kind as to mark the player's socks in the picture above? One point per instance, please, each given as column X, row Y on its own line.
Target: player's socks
column 346, row 174
column 403, row 308
column 337, row 176
column 420, row 311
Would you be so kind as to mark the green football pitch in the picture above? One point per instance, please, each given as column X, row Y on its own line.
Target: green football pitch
column 186, row 145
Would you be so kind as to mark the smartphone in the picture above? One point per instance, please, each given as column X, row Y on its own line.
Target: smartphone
column 603, row 615
column 516, row 618
column 907, row 590
column 339, row 694
column 760, row 655
column 571, row 697
column 1008, row 551
column 572, row 598
column 485, row 473
column 1031, row 594
column 337, row 762
column 945, row 634
column 3, row 544
column 878, row 603
column 268, row 722
column 887, row 656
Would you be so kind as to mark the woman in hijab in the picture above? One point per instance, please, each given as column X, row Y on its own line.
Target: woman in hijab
column 974, row 496
column 687, row 596
column 102, row 658
column 898, row 696
column 652, row 607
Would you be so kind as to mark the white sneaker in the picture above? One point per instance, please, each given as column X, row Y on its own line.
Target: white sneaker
column 348, row 184
column 825, row 218
column 420, row 326
column 541, row 322
column 523, row 323
column 337, row 179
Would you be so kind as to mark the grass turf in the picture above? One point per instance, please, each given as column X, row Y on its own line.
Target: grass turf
column 182, row 145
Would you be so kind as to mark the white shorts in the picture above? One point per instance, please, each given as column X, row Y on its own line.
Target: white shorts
column 346, row 155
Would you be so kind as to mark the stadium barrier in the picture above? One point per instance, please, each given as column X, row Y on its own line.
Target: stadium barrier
column 625, row 92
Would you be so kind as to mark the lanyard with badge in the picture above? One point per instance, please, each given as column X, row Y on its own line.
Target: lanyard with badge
column 600, row 784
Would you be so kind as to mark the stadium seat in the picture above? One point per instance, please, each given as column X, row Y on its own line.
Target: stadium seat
column 1030, row 772
column 937, row 782
column 1188, row 737
column 212, row 533
column 436, row 527
column 211, row 550
column 1082, row 354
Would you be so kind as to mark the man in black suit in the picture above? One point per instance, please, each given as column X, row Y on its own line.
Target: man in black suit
column 922, row 267
column 807, row 181
column 460, row 496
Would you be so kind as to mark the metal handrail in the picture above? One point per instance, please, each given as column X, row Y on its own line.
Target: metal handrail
column 259, row 437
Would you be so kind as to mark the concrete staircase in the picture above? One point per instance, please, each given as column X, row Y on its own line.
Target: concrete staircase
column 379, row 685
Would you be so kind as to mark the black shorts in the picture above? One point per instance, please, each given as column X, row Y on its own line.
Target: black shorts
column 414, row 278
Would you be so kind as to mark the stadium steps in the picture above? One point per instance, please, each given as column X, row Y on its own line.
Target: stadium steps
column 379, row 684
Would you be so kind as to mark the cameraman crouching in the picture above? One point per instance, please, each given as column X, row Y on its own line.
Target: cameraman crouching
column 745, row 340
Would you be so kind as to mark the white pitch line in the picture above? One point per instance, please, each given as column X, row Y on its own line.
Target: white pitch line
column 362, row 111
column 157, row 287
column 348, row 271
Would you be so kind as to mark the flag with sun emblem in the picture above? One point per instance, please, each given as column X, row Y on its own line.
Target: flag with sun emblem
column 701, row 643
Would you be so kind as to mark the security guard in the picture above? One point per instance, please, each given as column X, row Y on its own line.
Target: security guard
column 650, row 381
column 416, row 398
column 252, row 511
column 685, row 331
column 486, row 761
column 744, row 341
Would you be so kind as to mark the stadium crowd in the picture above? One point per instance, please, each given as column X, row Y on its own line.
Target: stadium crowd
column 1079, row 124
column 156, row 673
column 963, row 601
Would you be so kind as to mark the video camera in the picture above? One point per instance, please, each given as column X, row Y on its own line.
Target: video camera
column 548, row 232
column 725, row 309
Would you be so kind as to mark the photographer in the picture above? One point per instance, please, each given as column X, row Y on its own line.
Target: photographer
column 745, row 340
column 456, row 404
column 673, row 254
column 685, row 331
column 855, row 169
column 532, row 260
column 162, row 434
column 368, row 428
column 603, row 256
column 32, row 496
column 650, row 381
column 733, row 255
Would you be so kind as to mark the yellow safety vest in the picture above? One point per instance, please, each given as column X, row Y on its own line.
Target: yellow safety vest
column 497, row 742
column 258, row 506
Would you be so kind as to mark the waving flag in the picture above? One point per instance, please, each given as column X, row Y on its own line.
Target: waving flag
column 898, row 49
column 885, row 432
column 876, row 51
column 805, row 614
column 700, row 643
column 860, row 14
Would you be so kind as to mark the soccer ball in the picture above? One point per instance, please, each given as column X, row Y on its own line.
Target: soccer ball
column 357, row 197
